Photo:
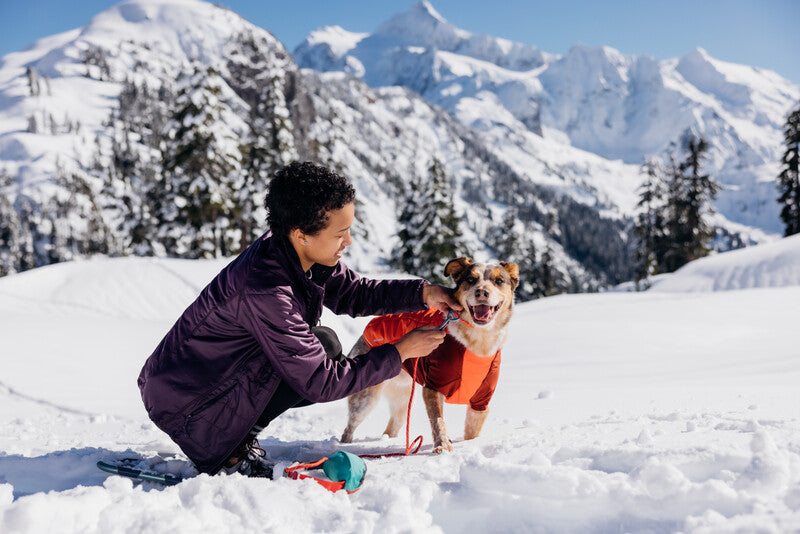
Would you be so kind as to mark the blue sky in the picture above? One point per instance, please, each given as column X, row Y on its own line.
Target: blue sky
column 762, row 33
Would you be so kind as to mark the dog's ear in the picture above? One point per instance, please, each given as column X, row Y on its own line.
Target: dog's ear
column 513, row 272
column 457, row 266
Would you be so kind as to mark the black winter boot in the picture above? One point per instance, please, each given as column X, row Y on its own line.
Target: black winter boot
column 251, row 461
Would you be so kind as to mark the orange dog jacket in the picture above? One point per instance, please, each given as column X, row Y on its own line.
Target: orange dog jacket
column 451, row 369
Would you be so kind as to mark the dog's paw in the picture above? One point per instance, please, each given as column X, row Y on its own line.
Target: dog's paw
column 347, row 437
column 443, row 445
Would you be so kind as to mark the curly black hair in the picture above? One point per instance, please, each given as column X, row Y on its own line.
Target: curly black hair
column 301, row 195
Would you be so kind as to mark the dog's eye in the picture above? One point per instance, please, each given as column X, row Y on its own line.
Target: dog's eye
column 471, row 280
column 499, row 281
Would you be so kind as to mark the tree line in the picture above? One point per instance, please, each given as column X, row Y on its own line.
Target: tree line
column 672, row 226
column 182, row 171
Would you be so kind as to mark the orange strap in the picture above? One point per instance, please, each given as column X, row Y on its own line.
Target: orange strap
column 292, row 472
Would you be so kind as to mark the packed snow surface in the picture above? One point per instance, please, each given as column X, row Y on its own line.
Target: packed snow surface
column 671, row 410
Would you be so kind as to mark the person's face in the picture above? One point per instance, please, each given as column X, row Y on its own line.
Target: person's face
column 327, row 246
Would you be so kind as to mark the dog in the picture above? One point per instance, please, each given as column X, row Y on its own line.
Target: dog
column 462, row 370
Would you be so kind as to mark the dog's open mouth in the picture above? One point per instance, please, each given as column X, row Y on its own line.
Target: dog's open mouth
column 483, row 313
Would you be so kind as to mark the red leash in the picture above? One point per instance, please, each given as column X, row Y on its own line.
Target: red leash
column 417, row 440
column 451, row 316
column 293, row 472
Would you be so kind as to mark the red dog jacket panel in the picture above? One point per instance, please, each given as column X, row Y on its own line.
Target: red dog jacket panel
column 451, row 369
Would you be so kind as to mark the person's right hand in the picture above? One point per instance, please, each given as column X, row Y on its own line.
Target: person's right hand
column 419, row 342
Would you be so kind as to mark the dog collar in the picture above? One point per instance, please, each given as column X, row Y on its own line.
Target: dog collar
column 453, row 316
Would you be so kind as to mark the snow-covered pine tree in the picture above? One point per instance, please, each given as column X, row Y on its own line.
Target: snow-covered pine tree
column 701, row 189
column 77, row 228
column 10, row 228
column 430, row 235
column 94, row 57
column 520, row 249
column 648, row 227
column 551, row 280
column 34, row 87
column 133, row 186
column 789, row 177
column 404, row 256
column 689, row 192
column 31, row 234
column 673, row 210
column 547, row 273
column 257, row 71
column 508, row 240
column 202, row 169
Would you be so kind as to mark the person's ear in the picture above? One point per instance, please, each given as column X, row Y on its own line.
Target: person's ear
column 298, row 236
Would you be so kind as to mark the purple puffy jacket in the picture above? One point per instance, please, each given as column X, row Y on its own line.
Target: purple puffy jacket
column 214, row 372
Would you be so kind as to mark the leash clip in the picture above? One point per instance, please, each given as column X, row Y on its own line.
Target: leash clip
column 451, row 316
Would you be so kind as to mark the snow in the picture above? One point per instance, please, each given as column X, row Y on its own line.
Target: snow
column 668, row 410
column 774, row 264
column 337, row 38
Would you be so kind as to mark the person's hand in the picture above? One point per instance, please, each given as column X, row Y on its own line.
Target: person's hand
column 439, row 298
column 419, row 342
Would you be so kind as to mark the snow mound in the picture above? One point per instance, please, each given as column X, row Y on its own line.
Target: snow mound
column 774, row 264
column 128, row 288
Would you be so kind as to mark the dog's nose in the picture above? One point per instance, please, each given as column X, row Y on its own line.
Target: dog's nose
column 481, row 293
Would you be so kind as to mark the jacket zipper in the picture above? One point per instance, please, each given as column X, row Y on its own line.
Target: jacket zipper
column 205, row 405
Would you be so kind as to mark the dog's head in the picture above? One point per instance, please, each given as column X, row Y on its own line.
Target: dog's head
column 486, row 290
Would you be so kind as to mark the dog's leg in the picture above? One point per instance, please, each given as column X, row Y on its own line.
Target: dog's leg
column 397, row 392
column 358, row 406
column 361, row 403
column 434, row 404
column 474, row 422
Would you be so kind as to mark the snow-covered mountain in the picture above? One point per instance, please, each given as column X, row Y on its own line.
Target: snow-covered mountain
column 652, row 412
column 81, row 144
column 88, row 122
column 619, row 107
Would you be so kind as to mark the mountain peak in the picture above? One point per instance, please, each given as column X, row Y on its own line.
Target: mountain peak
column 423, row 25
column 425, row 8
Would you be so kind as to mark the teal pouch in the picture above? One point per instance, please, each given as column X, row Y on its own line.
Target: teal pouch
column 347, row 467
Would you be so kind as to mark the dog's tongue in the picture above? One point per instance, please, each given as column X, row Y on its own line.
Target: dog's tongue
column 482, row 312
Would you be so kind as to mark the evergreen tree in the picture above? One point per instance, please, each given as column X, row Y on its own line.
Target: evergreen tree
column 530, row 270
column 648, row 226
column 134, row 190
column 257, row 71
column 202, row 166
column 30, row 233
column 520, row 249
column 508, row 240
column 10, row 228
column 34, row 87
column 258, row 75
column 77, row 227
column 689, row 194
column 96, row 61
column 547, row 274
column 700, row 190
column 404, row 256
column 789, row 178
column 430, row 234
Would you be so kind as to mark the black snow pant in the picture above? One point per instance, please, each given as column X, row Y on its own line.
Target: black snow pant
column 285, row 397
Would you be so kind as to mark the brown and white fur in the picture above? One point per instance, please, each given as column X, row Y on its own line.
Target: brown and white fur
column 486, row 291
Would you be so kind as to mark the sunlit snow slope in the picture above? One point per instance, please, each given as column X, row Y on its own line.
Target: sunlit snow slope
column 659, row 411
